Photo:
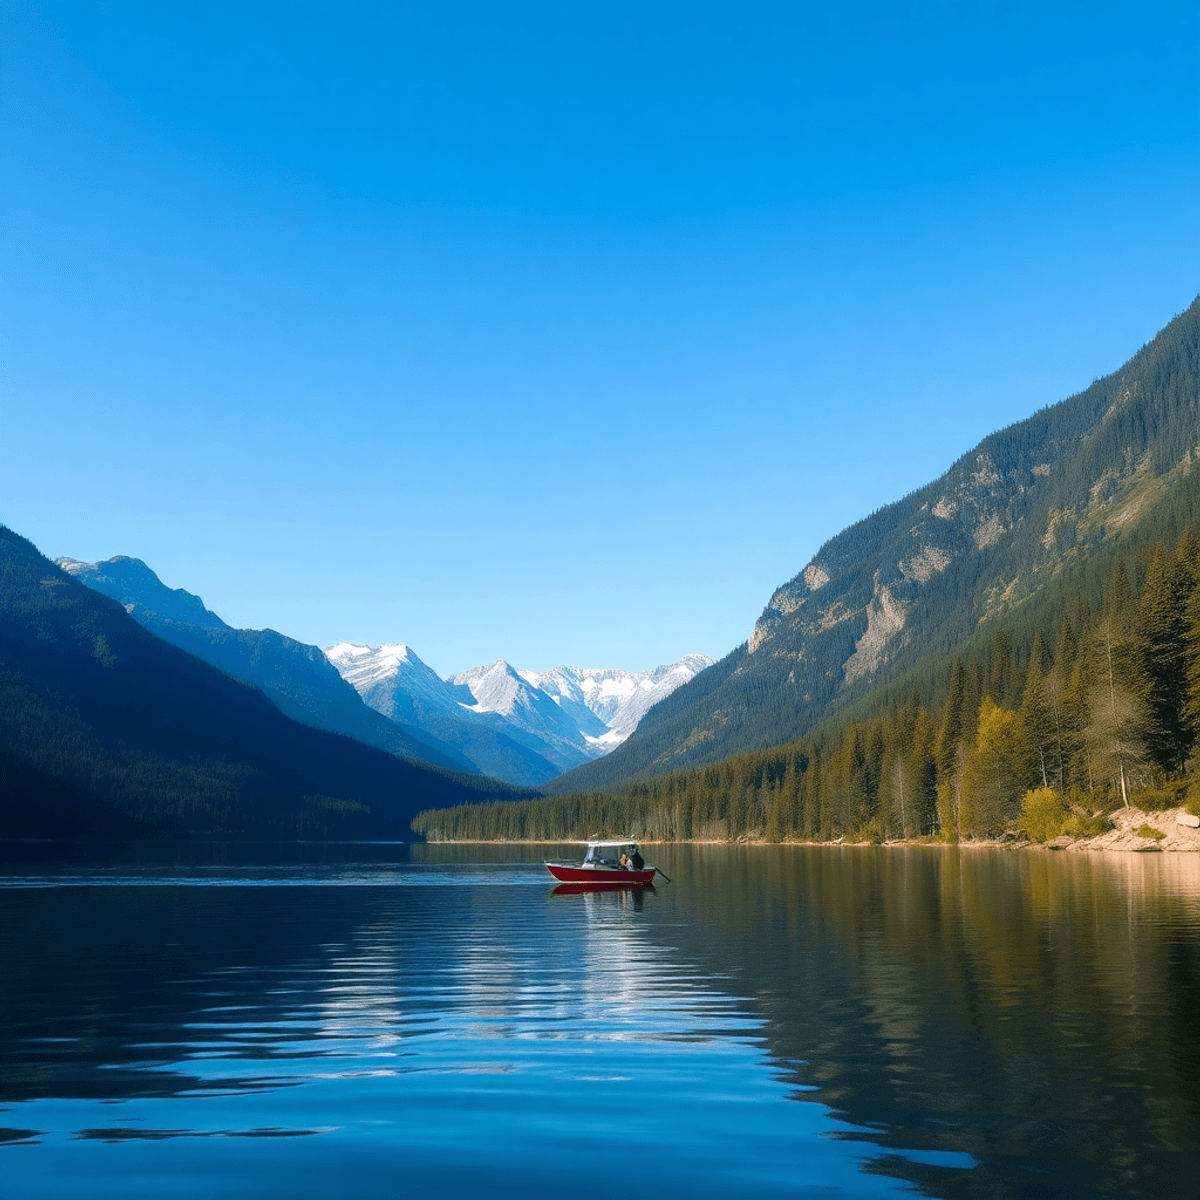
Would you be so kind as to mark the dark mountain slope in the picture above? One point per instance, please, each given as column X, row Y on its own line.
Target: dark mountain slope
column 1025, row 510
column 297, row 677
column 106, row 729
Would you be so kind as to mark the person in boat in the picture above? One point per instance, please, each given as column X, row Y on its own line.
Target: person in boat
column 625, row 861
column 636, row 861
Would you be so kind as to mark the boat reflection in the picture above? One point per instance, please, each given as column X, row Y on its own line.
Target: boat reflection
column 579, row 889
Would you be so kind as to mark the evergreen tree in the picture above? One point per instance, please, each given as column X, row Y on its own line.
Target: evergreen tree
column 1003, row 677
column 924, row 774
column 1036, row 724
column 1118, row 723
column 1162, row 630
column 993, row 783
column 950, row 751
column 1191, row 656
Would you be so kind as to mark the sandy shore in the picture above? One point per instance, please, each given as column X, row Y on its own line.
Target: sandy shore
column 1125, row 837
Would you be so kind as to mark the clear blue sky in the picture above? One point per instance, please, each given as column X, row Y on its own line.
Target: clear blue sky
column 558, row 332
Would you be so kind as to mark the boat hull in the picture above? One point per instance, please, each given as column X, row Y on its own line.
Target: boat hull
column 601, row 876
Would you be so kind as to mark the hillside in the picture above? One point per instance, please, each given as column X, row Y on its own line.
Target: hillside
column 522, row 727
column 297, row 677
column 107, row 730
column 1077, row 733
column 1009, row 528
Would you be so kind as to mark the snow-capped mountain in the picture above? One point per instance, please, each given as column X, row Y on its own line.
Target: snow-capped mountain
column 392, row 680
column 564, row 717
column 618, row 699
column 524, row 727
column 500, row 692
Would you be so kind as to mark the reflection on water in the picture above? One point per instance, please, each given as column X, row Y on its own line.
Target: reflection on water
column 366, row 1020
column 1034, row 1010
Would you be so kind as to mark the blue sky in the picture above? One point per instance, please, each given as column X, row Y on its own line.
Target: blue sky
column 558, row 332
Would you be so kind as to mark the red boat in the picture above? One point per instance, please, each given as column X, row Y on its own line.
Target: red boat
column 605, row 865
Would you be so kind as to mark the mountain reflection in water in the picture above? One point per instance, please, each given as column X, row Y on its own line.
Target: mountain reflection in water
column 368, row 1020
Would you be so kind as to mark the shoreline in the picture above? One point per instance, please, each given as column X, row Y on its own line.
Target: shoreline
column 1123, row 839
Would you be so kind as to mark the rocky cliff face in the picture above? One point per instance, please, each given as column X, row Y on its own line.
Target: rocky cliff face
column 921, row 575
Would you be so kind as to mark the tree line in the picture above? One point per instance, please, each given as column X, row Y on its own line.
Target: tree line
column 1048, row 735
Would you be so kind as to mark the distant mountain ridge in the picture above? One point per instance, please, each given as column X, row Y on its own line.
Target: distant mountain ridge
column 394, row 682
column 540, row 723
column 521, row 727
column 109, row 730
column 1030, row 504
column 619, row 699
column 139, row 590
column 296, row 677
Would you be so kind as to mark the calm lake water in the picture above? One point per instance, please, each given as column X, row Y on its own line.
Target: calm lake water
column 379, row 1021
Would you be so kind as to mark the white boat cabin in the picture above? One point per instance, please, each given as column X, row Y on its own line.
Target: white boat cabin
column 610, row 853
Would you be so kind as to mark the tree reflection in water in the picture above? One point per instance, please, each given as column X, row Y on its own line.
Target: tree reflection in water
column 1034, row 1010
column 983, row 1023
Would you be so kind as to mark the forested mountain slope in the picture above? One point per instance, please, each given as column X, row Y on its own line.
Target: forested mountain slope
column 297, row 677
column 1064, row 717
column 105, row 729
column 1013, row 519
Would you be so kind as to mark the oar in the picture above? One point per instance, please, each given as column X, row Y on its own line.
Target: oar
column 660, row 871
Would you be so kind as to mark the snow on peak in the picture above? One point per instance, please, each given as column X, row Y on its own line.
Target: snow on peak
column 353, row 652
column 569, row 714
column 366, row 667
column 618, row 698
column 496, row 688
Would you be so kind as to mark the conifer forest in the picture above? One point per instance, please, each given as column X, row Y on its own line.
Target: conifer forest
column 1043, row 728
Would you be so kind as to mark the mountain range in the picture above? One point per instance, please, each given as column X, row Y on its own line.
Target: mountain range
column 109, row 730
column 521, row 727
column 1009, row 530
column 129, row 706
column 297, row 677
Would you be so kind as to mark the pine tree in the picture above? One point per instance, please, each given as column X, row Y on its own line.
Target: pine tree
column 874, row 751
column 1036, row 723
column 848, row 768
column 1192, row 668
column 1119, row 720
column 950, row 750
column 895, row 786
column 1162, row 630
column 1003, row 678
column 924, row 773
column 1187, row 556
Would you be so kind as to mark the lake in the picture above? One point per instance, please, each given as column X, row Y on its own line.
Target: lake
column 364, row 1020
